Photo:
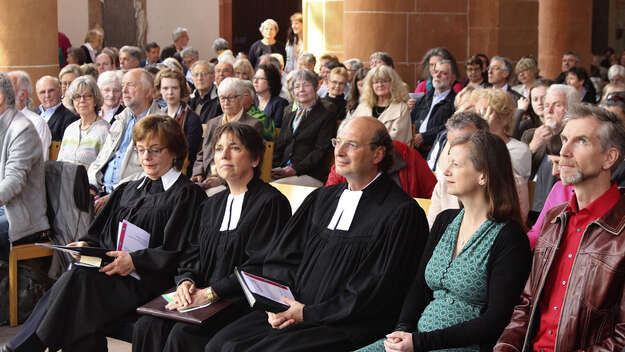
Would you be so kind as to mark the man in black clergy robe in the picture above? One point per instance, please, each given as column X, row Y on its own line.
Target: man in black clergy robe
column 348, row 254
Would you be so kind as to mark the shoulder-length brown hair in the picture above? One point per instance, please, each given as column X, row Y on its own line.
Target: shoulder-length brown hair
column 175, row 74
column 167, row 130
column 489, row 154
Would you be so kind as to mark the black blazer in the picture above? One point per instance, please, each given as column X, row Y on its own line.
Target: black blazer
column 309, row 147
column 59, row 121
column 210, row 108
column 440, row 114
column 87, row 54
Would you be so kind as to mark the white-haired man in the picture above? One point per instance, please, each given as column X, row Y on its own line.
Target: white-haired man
column 180, row 36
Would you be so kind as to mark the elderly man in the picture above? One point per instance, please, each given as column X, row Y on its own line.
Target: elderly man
column 204, row 100
column 223, row 70
column 431, row 112
column 117, row 162
column 23, row 88
column 306, row 61
column 152, row 52
column 500, row 73
column 57, row 116
column 574, row 298
column 349, row 252
column 129, row 57
column 180, row 36
column 189, row 57
column 22, row 184
column 230, row 97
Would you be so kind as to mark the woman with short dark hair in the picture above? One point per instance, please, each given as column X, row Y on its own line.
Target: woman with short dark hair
column 84, row 301
column 268, row 85
column 476, row 261
column 237, row 227
column 577, row 77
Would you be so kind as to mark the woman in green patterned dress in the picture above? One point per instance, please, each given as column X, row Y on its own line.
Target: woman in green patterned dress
column 476, row 261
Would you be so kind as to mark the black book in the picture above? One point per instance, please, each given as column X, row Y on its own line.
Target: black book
column 263, row 294
column 89, row 256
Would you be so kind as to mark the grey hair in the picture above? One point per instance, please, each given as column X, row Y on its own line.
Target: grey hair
column 203, row 62
column 309, row 58
column 190, row 52
column 80, row 83
column 71, row 68
column 6, row 89
column 452, row 67
column 147, row 81
column 249, row 86
column 266, row 22
column 305, row 75
column 506, row 63
column 230, row 83
column 173, row 63
column 462, row 119
column 23, row 81
column 54, row 79
column 572, row 95
column 108, row 77
column 133, row 51
column 616, row 70
column 220, row 44
column 178, row 32
column 611, row 130
column 355, row 64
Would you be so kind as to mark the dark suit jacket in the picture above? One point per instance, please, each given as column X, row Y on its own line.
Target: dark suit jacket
column 440, row 114
column 120, row 108
column 537, row 158
column 309, row 147
column 59, row 122
column 168, row 51
column 210, row 109
column 87, row 54
column 275, row 109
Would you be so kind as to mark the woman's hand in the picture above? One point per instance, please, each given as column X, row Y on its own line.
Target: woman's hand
column 77, row 244
column 286, row 171
column 182, row 297
column 197, row 298
column 122, row 265
column 398, row 341
column 100, row 203
column 523, row 103
column 293, row 315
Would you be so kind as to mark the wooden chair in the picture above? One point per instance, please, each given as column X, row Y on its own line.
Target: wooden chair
column 531, row 187
column 424, row 203
column 185, row 165
column 295, row 194
column 21, row 252
column 55, row 147
column 265, row 167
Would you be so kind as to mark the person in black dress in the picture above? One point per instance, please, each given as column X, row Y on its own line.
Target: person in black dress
column 337, row 82
column 267, row 45
column 75, row 312
column 236, row 228
column 348, row 254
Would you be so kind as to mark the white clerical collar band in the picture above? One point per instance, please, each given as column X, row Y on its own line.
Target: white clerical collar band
column 168, row 179
column 232, row 213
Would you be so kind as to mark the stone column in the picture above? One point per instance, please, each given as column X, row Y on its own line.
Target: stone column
column 28, row 38
column 563, row 25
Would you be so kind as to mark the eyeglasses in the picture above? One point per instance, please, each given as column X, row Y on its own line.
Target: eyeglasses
column 202, row 74
column 384, row 81
column 151, row 151
column 301, row 86
column 495, row 68
column 350, row 145
column 78, row 97
column 229, row 99
column 616, row 97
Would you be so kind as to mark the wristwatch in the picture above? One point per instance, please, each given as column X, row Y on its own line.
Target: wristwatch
column 210, row 294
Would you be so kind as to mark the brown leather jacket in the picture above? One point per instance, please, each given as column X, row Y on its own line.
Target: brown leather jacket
column 593, row 313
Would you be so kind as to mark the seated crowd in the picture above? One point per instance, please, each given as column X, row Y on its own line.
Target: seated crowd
column 520, row 248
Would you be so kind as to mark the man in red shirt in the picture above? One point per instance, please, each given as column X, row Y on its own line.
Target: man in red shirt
column 574, row 297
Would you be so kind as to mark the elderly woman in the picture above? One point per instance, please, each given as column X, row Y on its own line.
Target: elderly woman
column 475, row 262
column 497, row 107
column 67, row 75
column 84, row 301
column 385, row 97
column 428, row 64
column 106, row 60
column 294, row 42
column 303, row 147
column 266, row 45
column 230, row 93
column 236, row 228
column 526, row 71
column 83, row 139
column 576, row 77
column 337, row 81
column 243, row 69
column 111, row 88
column 616, row 74
column 475, row 73
column 173, row 88
column 268, row 85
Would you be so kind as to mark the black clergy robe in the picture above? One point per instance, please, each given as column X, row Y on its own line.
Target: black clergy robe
column 352, row 282
column 84, row 301
column 210, row 261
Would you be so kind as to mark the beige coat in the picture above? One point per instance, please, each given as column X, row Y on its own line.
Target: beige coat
column 396, row 118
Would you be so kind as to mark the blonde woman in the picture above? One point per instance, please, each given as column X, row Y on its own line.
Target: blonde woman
column 384, row 96
column 243, row 69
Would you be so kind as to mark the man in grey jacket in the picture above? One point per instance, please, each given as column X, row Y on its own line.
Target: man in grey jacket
column 117, row 162
column 22, row 178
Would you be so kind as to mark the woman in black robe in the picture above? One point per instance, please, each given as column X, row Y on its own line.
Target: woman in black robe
column 227, row 238
column 84, row 301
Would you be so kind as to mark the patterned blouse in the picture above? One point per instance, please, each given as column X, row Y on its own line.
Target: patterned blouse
column 82, row 147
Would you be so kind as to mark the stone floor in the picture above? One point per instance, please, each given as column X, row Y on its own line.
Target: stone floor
column 7, row 333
